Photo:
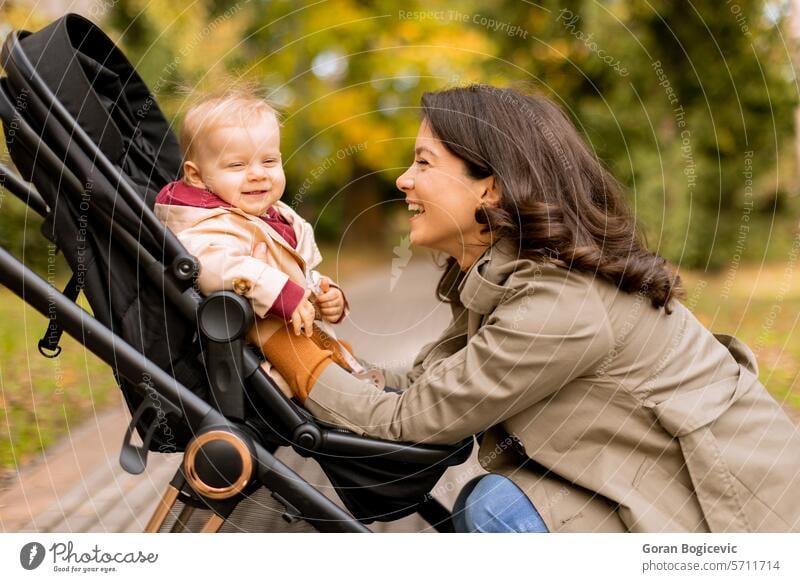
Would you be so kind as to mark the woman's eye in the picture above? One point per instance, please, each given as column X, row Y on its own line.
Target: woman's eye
column 422, row 162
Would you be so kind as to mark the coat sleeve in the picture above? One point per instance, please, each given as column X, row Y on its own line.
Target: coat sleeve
column 403, row 379
column 226, row 264
column 400, row 380
column 533, row 344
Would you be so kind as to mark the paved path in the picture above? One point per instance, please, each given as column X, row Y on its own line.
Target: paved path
column 78, row 485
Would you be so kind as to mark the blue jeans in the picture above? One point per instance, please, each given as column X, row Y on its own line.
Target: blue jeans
column 493, row 504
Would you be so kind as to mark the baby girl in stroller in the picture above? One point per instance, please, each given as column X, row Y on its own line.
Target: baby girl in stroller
column 227, row 212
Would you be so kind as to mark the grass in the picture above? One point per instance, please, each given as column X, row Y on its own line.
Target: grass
column 41, row 399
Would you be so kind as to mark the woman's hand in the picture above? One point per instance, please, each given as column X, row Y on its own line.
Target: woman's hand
column 330, row 301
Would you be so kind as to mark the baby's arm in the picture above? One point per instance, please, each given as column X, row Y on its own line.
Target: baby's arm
column 227, row 264
column 330, row 298
column 331, row 301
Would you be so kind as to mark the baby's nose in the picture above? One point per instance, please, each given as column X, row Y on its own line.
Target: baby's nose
column 257, row 170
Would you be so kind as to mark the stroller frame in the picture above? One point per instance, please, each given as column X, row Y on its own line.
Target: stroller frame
column 230, row 453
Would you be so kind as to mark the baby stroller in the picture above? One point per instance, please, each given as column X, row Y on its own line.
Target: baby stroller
column 85, row 132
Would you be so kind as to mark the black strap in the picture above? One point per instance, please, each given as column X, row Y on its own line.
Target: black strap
column 48, row 345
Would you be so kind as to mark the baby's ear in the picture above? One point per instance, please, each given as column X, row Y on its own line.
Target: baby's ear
column 191, row 174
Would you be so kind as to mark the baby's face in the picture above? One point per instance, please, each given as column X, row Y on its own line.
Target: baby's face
column 242, row 164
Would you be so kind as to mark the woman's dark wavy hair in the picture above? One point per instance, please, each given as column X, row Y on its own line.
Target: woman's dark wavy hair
column 558, row 203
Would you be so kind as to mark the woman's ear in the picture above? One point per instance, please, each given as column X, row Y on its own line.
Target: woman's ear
column 491, row 196
column 191, row 175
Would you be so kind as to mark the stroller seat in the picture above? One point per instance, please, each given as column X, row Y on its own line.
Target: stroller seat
column 93, row 149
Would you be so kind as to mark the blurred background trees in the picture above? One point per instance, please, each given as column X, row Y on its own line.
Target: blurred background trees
column 692, row 105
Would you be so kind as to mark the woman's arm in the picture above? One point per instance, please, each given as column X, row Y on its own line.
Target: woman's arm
column 401, row 379
column 528, row 348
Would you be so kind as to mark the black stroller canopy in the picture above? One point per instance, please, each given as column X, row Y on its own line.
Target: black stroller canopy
column 95, row 82
column 73, row 72
column 70, row 85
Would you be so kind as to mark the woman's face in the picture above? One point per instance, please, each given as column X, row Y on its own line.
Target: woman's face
column 443, row 199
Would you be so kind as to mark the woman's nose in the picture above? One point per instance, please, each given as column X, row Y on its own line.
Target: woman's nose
column 405, row 181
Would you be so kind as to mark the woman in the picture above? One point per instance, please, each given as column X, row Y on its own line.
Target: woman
column 601, row 403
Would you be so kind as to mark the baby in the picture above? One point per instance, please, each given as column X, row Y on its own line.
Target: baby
column 227, row 209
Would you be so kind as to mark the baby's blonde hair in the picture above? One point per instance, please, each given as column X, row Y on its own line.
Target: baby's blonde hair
column 235, row 107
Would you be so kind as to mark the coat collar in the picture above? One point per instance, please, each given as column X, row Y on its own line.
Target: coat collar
column 194, row 215
column 286, row 212
column 481, row 289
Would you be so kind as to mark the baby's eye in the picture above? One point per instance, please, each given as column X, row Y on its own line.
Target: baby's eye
column 269, row 161
column 236, row 165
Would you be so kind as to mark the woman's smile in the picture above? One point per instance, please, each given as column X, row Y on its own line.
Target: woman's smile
column 416, row 208
column 438, row 186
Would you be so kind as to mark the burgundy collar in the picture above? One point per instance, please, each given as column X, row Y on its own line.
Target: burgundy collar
column 180, row 193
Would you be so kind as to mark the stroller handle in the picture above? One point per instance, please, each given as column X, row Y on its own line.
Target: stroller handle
column 22, row 190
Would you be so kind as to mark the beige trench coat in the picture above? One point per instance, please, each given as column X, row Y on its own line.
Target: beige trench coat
column 223, row 241
column 611, row 415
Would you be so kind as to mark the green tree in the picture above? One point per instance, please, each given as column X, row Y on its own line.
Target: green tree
column 688, row 103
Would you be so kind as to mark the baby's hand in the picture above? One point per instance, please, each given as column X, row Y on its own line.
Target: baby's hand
column 303, row 316
column 330, row 301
